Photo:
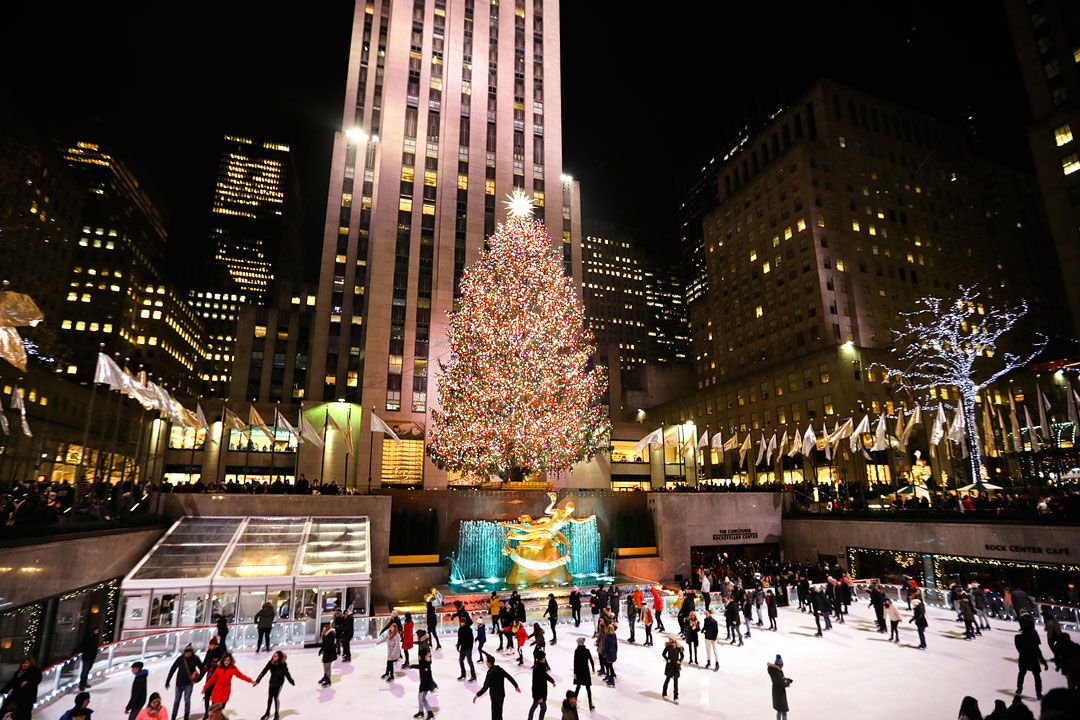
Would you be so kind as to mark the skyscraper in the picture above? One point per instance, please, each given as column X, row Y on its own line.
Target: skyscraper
column 449, row 107
column 1047, row 39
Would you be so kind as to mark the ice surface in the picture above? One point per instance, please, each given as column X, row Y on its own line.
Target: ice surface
column 853, row 669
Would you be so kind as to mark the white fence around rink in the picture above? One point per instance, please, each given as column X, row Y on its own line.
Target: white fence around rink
column 62, row 677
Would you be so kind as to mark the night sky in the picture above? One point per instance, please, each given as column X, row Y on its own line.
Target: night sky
column 647, row 96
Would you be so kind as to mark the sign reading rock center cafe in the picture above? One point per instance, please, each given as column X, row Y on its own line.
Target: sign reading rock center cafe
column 1028, row 549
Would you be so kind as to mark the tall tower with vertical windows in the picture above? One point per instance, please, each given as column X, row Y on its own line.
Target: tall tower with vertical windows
column 449, row 106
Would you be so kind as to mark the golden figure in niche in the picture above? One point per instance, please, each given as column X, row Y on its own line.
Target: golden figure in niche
column 540, row 551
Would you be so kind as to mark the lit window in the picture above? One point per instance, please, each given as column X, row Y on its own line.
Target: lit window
column 107, row 327
column 144, row 313
column 1070, row 164
column 843, row 141
column 463, row 182
column 405, row 204
column 766, row 268
column 801, row 224
column 872, row 230
column 1063, row 135
column 840, row 265
column 71, row 369
column 65, row 325
column 787, row 233
column 80, row 325
column 260, row 331
column 855, row 225
column 758, row 312
column 753, row 255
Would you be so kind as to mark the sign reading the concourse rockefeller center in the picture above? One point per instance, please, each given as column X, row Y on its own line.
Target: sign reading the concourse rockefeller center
column 729, row 534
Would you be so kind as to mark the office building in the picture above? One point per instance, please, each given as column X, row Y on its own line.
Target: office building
column 1046, row 35
column 449, row 107
column 613, row 292
column 829, row 223
column 668, row 324
column 117, row 292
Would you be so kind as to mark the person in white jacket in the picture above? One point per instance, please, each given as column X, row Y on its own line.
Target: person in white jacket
column 892, row 614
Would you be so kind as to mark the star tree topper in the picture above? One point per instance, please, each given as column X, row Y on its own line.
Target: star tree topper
column 519, row 204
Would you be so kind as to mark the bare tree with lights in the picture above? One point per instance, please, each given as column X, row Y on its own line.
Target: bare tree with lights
column 954, row 341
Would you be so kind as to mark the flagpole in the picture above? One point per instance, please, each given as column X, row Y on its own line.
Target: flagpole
column 273, row 444
column 371, row 451
column 250, row 442
column 86, row 433
column 223, row 443
column 296, row 460
column 348, row 424
column 194, row 438
column 322, row 463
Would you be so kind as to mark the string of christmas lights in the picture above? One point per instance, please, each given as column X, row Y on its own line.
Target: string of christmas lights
column 951, row 342
column 518, row 393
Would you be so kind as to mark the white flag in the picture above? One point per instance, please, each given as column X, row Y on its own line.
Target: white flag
column 255, row 419
column 377, row 425
column 703, row 441
column 938, row 430
column 856, row 436
column 770, row 450
column 796, row 443
column 958, row 428
column 17, row 404
column 880, row 441
column 1018, row 443
column 718, row 440
column 279, row 419
column 915, row 419
column 827, row 440
column 809, row 441
column 309, row 433
column 3, row 421
column 989, row 446
column 761, row 450
column 109, row 373
column 1044, row 405
column 233, row 421
column 201, row 417
column 655, row 437
column 783, row 445
column 732, row 443
column 1035, row 447
column 745, row 448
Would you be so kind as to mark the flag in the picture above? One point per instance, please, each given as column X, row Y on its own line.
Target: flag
column 1018, row 443
column 898, row 430
column 1035, row 447
column 256, row 420
column 3, row 421
column 233, row 421
column 308, row 432
column 672, row 440
column 703, row 441
column 938, row 430
column 825, row 439
column 782, row 448
column 771, row 449
column 732, row 443
column 186, row 417
column 988, row 444
column 915, row 419
column 958, row 430
column 16, row 310
column 796, row 443
column 1074, row 416
column 761, row 450
column 109, row 373
column 844, row 430
column 745, row 448
column 345, row 437
column 201, row 417
column 809, row 440
column 279, row 419
column 17, row 404
column 856, row 436
column 1044, row 405
column 377, row 425
column 655, row 437
column 718, row 440
column 880, row 441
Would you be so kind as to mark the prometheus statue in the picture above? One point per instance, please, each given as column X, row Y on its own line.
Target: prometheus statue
column 541, row 552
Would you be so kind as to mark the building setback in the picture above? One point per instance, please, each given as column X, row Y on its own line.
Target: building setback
column 449, row 107
column 828, row 224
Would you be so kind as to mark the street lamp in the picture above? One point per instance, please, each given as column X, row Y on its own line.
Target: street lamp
column 356, row 134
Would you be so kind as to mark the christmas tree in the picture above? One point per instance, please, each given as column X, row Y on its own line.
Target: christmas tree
column 518, row 393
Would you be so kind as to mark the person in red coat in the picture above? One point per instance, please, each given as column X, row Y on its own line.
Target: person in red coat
column 658, row 608
column 222, row 683
column 407, row 638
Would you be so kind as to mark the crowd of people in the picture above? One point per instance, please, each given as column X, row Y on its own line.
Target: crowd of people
column 35, row 504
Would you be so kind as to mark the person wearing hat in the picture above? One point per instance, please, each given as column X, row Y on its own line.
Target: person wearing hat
column 188, row 669
column 780, row 685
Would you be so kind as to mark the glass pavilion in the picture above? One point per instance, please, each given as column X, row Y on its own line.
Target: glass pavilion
column 205, row 567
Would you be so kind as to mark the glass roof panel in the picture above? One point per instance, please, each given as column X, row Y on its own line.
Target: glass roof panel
column 178, row 561
column 278, row 531
column 203, row 530
column 247, row 561
column 336, row 546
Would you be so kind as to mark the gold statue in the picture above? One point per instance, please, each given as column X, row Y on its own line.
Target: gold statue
column 538, row 557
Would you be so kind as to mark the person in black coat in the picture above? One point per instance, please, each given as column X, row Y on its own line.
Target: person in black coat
column 540, row 678
column 780, row 685
column 427, row 684
column 877, row 600
column 575, row 606
column 584, row 667
column 223, row 631
column 919, row 618
column 464, row 648
column 89, row 648
column 1027, row 645
column 328, row 654
column 770, row 608
column 22, row 688
column 495, row 682
column 138, row 691
column 279, row 673
column 673, row 656
column 552, row 614
column 506, row 619
column 432, row 624
column 609, row 652
column 711, row 631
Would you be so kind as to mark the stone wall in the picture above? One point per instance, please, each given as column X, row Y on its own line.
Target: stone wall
column 33, row 572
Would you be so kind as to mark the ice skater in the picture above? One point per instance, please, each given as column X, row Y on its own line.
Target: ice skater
column 495, row 682
column 631, row 614
column 427, row 684
column 780, row 685
column 892, row 614
column 770, row 608
column 609, row 653
column 279, row 673
column 222, row 684
column 711, row 630
column 406, row 639
column 658, row 608
column 673, row 657
column 575, row 606
column 138, row 691
column 481, row 637
column 1027, row 645
column 540, row 679
column 433, row 622
column 584, row 666
column 328, row 652
column 552, row 614
column 647, row 623
column 919, row 618
column 393, row 652
column 690, row 630
column 464, row 648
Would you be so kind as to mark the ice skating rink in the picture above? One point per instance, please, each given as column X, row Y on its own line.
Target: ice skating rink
column 852, row 670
